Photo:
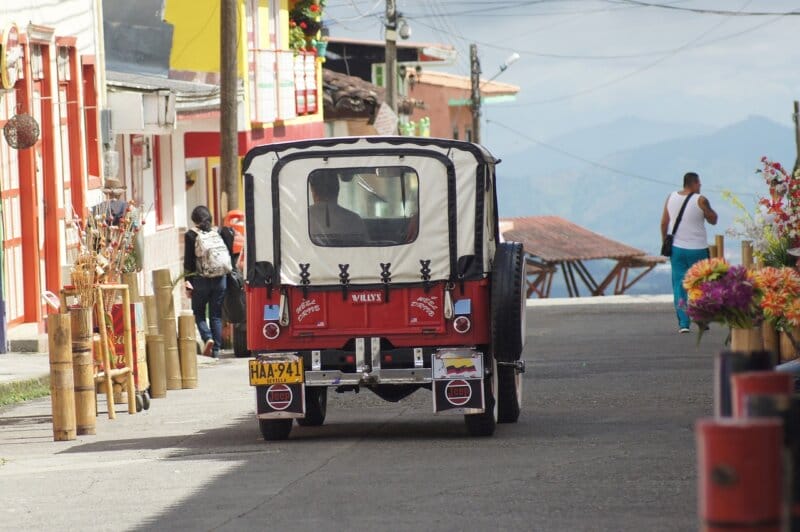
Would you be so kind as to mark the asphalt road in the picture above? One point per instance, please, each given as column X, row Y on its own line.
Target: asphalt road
column 605, row 442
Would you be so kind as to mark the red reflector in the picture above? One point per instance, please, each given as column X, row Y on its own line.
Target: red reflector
column 271, row 331
column 350, row 359
column 387, row 358
column 462, row 324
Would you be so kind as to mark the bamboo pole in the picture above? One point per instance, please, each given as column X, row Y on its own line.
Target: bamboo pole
column 62, row 385
column 747, row 254
column 165, row 308
column 719, row 242
column 105, row 354
column 132, row 280
column 188, row 348
column 128, row 343
column 83, row 370
column 156, row 364
column 151, row 313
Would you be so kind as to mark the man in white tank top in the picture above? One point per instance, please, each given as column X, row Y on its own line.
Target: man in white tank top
column 690, row 243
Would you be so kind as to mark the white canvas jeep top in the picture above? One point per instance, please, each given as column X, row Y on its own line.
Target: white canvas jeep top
column 405, row 210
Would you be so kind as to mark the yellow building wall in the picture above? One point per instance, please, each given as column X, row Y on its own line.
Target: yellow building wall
column 196, row 35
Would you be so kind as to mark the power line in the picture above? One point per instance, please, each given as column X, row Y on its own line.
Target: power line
column 706, row 11
column 600, row 165
column 637, row 71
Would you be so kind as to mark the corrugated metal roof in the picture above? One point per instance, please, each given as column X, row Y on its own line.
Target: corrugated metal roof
column 554, row 239
column 455, row 81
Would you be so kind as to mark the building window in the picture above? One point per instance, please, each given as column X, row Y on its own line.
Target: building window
column 91, row 119
column 455, row 132
column 468, row 134
column 62, row 64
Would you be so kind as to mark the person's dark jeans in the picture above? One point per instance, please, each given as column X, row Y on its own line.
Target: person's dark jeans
column 209, row 291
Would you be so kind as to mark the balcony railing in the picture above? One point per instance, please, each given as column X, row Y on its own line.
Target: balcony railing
column 283, row 84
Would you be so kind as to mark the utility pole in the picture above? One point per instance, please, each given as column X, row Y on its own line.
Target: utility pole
column 229, row 95
column 390, row 74
column 475, row 82
column 796, row 117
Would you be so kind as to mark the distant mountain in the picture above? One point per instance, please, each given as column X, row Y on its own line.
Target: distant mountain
column 628, row 208
column 598, row 141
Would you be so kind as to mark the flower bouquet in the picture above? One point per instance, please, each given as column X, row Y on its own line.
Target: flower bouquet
column 774, row 229
column 721, row 293
column 781, row 300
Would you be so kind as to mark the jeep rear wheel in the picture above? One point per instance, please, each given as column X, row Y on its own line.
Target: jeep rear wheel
column 509, row 394
column 484, row 424
column 240, row 340
column 316, row 407
column 508, row 302
column 275, row 429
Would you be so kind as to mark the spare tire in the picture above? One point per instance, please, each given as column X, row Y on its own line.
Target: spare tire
column 508, row 302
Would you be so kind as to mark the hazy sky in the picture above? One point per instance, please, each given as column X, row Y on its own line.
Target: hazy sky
column 586, row 62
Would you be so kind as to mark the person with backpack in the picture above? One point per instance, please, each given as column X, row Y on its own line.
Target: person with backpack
column 206, row 264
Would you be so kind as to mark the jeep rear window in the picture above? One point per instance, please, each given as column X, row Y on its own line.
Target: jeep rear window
column 364, row 206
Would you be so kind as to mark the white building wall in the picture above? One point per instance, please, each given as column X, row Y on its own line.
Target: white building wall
column 68, row 17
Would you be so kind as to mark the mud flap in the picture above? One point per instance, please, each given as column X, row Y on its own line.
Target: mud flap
column 278, row 401
column 458, row 382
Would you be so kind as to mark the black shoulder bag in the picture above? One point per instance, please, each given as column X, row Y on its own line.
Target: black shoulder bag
column 666, row 245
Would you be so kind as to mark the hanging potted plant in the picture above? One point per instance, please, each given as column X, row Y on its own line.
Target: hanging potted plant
column 307, row 16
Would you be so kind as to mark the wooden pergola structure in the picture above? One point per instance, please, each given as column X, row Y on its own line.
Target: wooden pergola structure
column 551, row 242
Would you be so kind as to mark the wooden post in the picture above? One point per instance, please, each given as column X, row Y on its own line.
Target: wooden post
column 165, row 307
column 156, row 364
column 786, row 347
column 747, row 254
column 83, row 370
column 719, row 242
column 712, row 251
column 188, row 348
column 62, row 385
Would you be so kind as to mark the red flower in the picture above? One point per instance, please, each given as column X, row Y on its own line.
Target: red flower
column 776, row 166
column 303, row 25
column 292, row 23
column 313, row 8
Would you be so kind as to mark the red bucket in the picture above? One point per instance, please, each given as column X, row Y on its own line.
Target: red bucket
column 739, row 467
column 758, row 383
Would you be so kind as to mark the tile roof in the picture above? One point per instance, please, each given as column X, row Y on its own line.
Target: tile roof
column 346, row 96
column 554, row 239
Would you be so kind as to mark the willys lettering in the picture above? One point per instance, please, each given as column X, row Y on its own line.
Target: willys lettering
column 367, row 297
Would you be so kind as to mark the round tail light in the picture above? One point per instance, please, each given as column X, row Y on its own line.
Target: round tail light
column 462, row 324
column 271, row 330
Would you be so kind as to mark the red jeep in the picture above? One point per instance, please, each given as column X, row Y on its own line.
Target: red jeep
column 375, row 263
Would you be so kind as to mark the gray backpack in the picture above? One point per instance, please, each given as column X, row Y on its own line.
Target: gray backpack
column 211, row 253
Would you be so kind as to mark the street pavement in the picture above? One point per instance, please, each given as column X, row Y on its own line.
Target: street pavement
column 605, row 442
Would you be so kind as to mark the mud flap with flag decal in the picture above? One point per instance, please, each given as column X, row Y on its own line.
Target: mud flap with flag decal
column 458, row 382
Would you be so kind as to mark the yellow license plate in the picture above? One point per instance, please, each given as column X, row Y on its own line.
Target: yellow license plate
column 263, row 372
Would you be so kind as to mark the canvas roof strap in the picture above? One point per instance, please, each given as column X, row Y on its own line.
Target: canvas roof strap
column 344, row 279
